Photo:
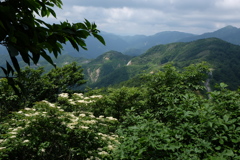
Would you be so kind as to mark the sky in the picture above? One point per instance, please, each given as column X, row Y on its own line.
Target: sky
column 148, row 17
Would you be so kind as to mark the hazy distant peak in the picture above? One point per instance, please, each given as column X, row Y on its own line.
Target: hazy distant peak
column 227, row 28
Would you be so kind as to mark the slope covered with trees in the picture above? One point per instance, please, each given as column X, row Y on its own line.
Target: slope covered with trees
column 223, row 57
column 169, row 117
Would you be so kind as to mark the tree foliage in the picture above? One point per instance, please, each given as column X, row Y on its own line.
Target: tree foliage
column 37, row 86
column 46, row 131
column 179, row 122
column 171, row 117
column 30, row 38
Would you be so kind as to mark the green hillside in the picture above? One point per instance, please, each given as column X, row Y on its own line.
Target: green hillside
column 113, row 68
column 223, row 57
column 104, row 65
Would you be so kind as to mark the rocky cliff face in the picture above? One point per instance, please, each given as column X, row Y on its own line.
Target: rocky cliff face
column 93, row 74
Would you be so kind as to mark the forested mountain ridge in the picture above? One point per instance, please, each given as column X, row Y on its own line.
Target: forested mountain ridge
column 228, row 33
column 112, row 68
column 104, row 65
column 223, row 57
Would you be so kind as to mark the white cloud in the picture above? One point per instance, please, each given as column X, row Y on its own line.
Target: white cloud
column 229, row 4
column 147, row 17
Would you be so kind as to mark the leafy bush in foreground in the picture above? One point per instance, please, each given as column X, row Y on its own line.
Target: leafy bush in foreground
column 180, row 123
column 46, row 131
column 171, row 117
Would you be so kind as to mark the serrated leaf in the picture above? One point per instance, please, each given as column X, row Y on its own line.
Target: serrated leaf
column 80, row 26
column 12, row 84
column 94, row 26
column 15, row 64
column 35, row 57
column 100, row 38
column 74, row 44
column 47, row 57
column 4, row 70
column 25, row 57
column 9, row 69
column 12, row 50
column 88, row 24
column 83, row 34
column 52, row 12
column 69, row 31
column 82, row 43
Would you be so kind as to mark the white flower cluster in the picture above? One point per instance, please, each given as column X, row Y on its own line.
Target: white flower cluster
column 63, row 95
column 111, row 118
column 80, row 95
column 50, row 104
column 87, row 121
column 107, row 118
column 73, row 120
column 109, row 137
column 79, row 98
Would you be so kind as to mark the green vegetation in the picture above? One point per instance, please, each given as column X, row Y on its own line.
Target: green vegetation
column 31, row 38
column 223, row 58
column 37, row 86
column 170, row 116
column 167, row 115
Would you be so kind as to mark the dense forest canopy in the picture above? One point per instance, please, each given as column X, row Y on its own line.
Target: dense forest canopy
column 170, row 116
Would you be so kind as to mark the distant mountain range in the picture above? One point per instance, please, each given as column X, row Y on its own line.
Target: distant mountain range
column 229, row 33
column 138, row 44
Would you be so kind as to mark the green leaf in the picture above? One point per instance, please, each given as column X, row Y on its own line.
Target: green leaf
column 88, row 24
column 51, row 11
column 80, row 26
column 25, row 57
column 226, row 117
column 223, row 85
column 74, row 44
column 221, row 141
column 43, row 11
column 12, row 84
column 228, row 153
column 218, row 148
column 35, row 57
column 210, row 124
column 9, row 69
column 100, row 38
column 15, row 64
column 12, row 50
column 81, row 43
column 5, row 71
column 47, row 57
